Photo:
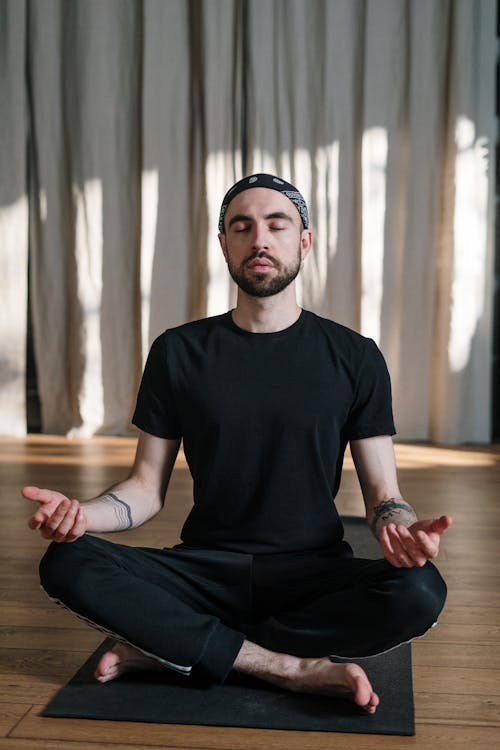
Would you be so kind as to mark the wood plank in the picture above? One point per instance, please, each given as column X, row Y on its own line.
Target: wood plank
column 462, row 710
column 456, row 666
column 478, row 634
column 459, row 614
column 458, row 565
column 84, row 638
column 229, row 738
column 34, row 597
column 52, row 616
column 10, row 715
column 462, row 655
column 470, row 596
column 456, row 680
column 38, row 744
column 34, row 675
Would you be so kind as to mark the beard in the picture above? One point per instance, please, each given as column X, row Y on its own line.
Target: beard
column 259, row 284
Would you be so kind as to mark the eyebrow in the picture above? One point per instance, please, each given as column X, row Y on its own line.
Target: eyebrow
column 246, row 217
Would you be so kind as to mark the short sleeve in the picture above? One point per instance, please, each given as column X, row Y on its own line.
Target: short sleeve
column 371, row 412
column 156, row 411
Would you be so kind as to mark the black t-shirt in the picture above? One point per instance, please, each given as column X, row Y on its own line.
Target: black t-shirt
column 265, row 419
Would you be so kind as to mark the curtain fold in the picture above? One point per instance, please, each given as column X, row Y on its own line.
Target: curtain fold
column 216, row 122
column 380, row 124
column 85, row 85
column 139, row 114
column 305, row 73
column 460, row 402
column 166, row 113
column 13, row 218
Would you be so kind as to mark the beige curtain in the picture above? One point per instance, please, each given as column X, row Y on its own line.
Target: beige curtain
column 137, row 116
column 13, row 220
column 387, row 122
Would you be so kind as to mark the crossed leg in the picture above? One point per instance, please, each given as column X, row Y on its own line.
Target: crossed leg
column 300, row 675
column 184, row 624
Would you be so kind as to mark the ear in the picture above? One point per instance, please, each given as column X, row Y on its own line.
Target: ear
column 306, row 239
column 222, row 242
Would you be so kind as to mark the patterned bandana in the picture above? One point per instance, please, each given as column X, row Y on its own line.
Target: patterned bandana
column 265, row 181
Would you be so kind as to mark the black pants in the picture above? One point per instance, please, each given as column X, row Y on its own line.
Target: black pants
column 192, row 609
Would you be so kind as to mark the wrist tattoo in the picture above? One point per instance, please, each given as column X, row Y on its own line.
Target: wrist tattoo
column 121, row 510
column 390, row 510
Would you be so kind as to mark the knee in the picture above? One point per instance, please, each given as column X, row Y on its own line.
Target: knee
column 421, row 594
column 57, row 569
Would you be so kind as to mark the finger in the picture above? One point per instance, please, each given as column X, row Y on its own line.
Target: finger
column 411, row 547
column 34, row 522
column 428, row 547
column 39, row 518
column 46, row 532
column 79, row 527
column 385, row 541
column 440, row 525
column 67, row 522
column 41, row 495
column 398, row 547
column 53, row 521
column 30, row 492
column 387, row 549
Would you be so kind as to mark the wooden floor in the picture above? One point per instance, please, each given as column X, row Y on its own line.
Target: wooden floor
column 456, row 667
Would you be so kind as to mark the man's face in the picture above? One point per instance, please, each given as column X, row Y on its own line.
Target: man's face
column 264, row 244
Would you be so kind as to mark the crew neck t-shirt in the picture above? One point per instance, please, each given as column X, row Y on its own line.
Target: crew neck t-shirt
column 264, row 419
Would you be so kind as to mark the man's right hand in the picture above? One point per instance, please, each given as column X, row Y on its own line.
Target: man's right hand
column 57, row 517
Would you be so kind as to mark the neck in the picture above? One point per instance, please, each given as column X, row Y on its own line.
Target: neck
column 266, row 314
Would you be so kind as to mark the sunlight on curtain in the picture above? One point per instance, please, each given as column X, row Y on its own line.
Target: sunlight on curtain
column 220, row 176
column 88, row 254
column 470, row 242
column 143, row 107
column 14, row 294
column 42, row 205
column 296, row 166
column 262, row 161
column 327, row 199
column 323, row 202
column 149, row 220
column 373, row 178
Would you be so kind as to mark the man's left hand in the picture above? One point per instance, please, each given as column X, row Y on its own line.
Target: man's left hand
column 412, row 546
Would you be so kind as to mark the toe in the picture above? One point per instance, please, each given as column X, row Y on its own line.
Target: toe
column 107, row 666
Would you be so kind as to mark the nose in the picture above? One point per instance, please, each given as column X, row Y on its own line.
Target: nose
column 260, row 237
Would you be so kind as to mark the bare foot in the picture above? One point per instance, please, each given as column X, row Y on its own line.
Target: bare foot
column 323, row 677
column 120, row 659
column 320, row 676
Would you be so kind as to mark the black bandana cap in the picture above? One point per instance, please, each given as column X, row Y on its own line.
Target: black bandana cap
column 265, row 181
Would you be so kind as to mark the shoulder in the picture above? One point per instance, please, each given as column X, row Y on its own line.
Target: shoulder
column 357, row 354
column 182, row 345
column 194, row 330
column 342, row 336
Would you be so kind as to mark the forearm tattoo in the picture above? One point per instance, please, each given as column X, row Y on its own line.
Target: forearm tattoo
column 391, row 510
column 121, row 510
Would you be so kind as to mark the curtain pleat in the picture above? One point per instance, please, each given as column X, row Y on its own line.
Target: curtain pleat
column 85, row 244
column 461, row 385
column 370, row 122
column 143, row 112
column 304, row 122
column 167, row 217
column 13, row 218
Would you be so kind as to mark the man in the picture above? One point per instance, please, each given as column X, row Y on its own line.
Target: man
column 265, row 399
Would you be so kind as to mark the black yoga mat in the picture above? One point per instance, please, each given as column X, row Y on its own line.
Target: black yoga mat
column 169, row 698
